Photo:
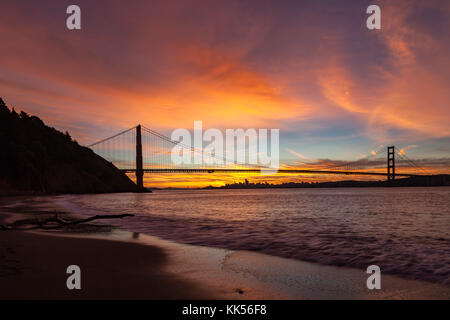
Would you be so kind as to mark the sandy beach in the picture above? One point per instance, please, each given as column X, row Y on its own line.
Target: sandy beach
column 33, row 266
column 125, row 265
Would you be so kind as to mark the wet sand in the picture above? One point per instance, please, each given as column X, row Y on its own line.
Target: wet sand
column 125, row 265
column 33, row 266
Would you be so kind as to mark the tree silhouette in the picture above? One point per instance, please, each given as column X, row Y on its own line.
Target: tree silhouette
column 36, row 158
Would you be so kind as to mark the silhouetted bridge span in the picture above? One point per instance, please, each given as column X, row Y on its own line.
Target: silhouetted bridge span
column 364, row 173
column 141, row 150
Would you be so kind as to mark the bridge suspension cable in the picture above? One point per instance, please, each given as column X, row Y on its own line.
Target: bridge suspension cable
column 412, row 163
column 357, row 164
column 155, row 154
column 112, row 137
column 219, row 160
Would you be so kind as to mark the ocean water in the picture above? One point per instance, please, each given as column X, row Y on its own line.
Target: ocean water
column 405, row 231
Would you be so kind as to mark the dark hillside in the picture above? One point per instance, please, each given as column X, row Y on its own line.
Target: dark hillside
column 37, row 159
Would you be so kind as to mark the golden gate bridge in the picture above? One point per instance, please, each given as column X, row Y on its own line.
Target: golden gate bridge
column 141, row 150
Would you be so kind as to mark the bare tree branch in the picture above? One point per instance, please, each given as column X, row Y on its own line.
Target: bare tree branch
column 41, row 223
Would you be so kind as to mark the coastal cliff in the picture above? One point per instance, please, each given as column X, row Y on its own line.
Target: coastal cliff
column 37, row 159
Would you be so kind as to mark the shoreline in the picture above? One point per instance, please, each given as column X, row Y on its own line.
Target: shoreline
column 120, row 264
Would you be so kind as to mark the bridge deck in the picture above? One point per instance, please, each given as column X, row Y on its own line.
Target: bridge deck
column 194, row 170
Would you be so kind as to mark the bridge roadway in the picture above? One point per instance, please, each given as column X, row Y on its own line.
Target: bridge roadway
column 212, row 170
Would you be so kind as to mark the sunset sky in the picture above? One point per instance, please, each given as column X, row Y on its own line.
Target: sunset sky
column 335, row 89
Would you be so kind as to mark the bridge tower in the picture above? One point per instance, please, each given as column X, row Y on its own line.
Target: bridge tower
column 391, row 163
column 139, row 167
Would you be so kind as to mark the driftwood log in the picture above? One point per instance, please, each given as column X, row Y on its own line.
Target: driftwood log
column 37, row 223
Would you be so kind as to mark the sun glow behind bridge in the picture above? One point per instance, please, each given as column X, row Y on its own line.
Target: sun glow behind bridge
column 122, row 150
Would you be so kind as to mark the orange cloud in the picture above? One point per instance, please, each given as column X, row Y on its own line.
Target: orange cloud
column 413, row 97
column 301, row 156
column 403, row 150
